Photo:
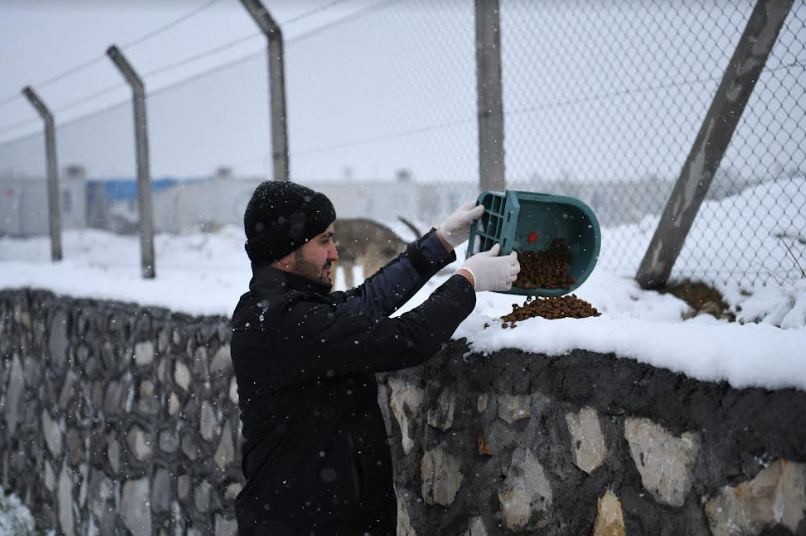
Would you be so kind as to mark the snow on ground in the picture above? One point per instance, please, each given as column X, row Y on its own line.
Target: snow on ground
column 205, row 274
column 15, row 518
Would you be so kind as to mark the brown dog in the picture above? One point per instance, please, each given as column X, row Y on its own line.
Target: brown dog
column 366, row 243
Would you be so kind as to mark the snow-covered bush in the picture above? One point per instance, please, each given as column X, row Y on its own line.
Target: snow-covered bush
column 15, row 519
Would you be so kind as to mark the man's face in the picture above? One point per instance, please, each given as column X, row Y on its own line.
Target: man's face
column 314, row 258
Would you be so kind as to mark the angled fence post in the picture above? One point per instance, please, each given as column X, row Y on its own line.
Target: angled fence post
column 712, row 141
column 143, row 170
column 54, row 209
column 490, row 95
column 277, row 108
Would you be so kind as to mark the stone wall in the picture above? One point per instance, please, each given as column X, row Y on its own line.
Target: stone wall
column 590, row 444
column 118, row 419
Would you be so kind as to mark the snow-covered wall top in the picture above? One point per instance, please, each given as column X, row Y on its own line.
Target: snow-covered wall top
column 205, row 274
column 121, row 418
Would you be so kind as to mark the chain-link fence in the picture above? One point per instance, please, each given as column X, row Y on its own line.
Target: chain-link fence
column 602, row 101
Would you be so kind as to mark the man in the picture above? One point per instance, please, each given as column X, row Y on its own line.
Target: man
column 315, row 455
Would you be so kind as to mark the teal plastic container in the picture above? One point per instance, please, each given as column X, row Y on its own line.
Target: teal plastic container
column 529, row 221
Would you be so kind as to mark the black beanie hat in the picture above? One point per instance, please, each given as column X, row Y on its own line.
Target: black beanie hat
column 281, row 217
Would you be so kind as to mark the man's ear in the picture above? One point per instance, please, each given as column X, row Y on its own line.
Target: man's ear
column 286, row 263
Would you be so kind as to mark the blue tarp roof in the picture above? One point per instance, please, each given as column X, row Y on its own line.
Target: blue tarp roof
column 126, row 189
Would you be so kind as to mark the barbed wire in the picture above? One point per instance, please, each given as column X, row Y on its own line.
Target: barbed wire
column 102, row 57
column 347, row 18
column 384, row 137
column 180, row 63
column 168, row 26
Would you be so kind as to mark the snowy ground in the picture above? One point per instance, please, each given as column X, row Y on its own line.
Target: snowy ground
column 15, row 518
column 204, row 274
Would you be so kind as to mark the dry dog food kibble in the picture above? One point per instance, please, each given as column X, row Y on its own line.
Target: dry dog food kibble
column 551, row 308
column 547, row 268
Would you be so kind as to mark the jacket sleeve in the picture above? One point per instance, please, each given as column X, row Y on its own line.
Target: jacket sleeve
column 326, row 341
column 393, row 285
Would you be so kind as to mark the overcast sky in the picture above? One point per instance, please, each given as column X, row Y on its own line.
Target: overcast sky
column 40, row 39
column 606, row 90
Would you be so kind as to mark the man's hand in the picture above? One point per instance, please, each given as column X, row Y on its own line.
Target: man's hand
column 455, row 230
column 488, row 271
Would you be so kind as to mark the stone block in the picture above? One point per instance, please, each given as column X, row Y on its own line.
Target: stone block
column 189, row 447
column 232, row 491
column 526, row 495
column 183, row 487
column 775, row 496
column 609, row 517
column 168, row 441
column 513, row 408
column 161, row 492
column 115, row 399
column 587, row 440
column 222, row 361
column 225, row 526
column 99, row 493
column 14, row 396
column 139, row 443
column 225, row 453
column 441, row 477
column 50, row 477
column 32, row 371
column 441, row 415
column 66, row 521
column 83, row 484
column 173, row 404
column 162, row 341
column 57, row 339
column 148, row 403
column 68, row 390
column 143, row 353
column 404, row 401
column 200, row 362
column 481, row 402
column 113, row 452
column 182, row 376
column 109, row 356
column 201, row 497
column 97, row 395
column 75, row 447
column 53, row 434
column 233, row 390
column 665, row 462
column 475, row 527
column 135, row 508
column 404, row 527
column 208, row 424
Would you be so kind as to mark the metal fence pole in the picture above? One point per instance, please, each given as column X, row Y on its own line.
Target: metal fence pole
column 54, row 209
column 712, row 141
column 490, row 95
column 143, row 170
column 277, row 108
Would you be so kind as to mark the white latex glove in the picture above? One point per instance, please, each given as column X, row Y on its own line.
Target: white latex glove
column 491, row 272
column 456, row 227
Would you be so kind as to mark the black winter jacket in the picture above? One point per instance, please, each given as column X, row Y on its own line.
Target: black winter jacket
column 315, row 452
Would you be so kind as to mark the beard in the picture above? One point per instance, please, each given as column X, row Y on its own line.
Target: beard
column 311, row 270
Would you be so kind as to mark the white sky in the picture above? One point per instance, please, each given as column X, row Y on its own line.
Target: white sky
column 595, row 91
column 43, row 38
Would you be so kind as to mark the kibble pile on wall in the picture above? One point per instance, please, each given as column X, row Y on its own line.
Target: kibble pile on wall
column 547, row 269
column 551, row 308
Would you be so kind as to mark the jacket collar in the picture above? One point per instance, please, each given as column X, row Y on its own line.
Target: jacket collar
column 268, row 280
